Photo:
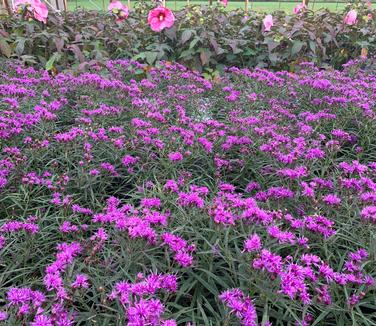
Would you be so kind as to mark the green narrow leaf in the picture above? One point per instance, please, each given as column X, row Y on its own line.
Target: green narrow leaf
column 50, row 63
column 265, row 317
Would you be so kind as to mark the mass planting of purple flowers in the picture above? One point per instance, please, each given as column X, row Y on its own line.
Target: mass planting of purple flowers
column 138, row 196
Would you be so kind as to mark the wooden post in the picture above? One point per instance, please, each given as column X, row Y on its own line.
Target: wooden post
column 364, row 53
column 57, row 5
column 246, row 6
column 306, row 2
column 3, row 10
column 5, row 7
column 129, row 4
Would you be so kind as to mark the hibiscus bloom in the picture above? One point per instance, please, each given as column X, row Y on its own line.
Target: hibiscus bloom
column 224, row 2
column 40, row 11
column 160, row 18
column 299, row 8
column 35, row 8
column 120, row 10
column 268, row 23
column 350, row 18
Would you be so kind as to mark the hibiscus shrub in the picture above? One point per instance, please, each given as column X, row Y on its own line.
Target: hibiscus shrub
column 146, row 196
column 202, row 38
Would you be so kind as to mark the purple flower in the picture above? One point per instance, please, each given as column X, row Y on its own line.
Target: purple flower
column 175, row 156
column 191, row 199
column 171, row 185
column 3, row 316
column 150, row 202
column 331, row 199
column 253, row 243
column 41, row 320
column 241, row 305
column 129, row 160
column 369, row 213
column 81, row 281
column 183, row 258
column 174, row 242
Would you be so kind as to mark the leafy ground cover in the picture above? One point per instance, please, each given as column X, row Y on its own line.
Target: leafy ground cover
column 136, row 195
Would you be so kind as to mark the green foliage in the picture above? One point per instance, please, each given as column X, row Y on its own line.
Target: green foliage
column 202, row 38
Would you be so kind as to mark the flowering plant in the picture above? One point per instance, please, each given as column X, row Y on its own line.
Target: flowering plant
column 350, row 18
column 192, row 37
column 119, row 10
column 34, row 9
column 131, row 194
column 160, row 18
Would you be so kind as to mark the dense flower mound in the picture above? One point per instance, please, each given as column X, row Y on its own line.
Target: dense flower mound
column 139, row 196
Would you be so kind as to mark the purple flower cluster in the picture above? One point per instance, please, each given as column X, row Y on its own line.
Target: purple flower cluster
column 29, row 227
column 296, row 279
column 241, row 305
column 141, row 310
column 180, row 247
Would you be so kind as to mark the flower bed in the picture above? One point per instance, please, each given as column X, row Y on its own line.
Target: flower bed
column 137, row 196
column 202, row 38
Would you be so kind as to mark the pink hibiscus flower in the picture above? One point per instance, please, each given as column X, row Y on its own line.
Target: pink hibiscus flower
column 35, row 9
column 301, row 7
column 224, row 2
column 121, row 11
column 268, row 23
column 40, row 11
column 350, row 18
column 160, row 18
